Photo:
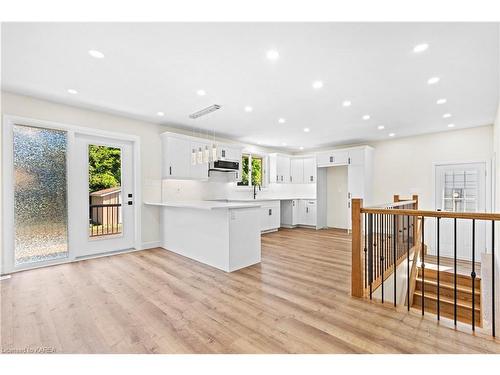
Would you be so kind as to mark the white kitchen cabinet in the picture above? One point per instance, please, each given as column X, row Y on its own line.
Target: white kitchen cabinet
column 332, row 158
column 229, row 152
column 307, row 208
column 270, row 215
column 309, row 170
column 356, row 156
column 176, row 155
column 279, row 168
column 297, row 170
column 290, row 213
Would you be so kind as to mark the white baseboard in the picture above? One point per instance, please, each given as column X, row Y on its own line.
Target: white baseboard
column 150, row 245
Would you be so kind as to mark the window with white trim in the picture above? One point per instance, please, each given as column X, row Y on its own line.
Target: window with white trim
column 252, row 170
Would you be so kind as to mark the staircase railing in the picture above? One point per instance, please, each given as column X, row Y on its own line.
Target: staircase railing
column 384, row 236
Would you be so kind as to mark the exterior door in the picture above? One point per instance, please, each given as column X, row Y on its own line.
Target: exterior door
column 103, row 197
column 460, row 188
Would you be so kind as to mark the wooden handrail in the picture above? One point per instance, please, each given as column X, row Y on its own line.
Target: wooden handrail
column 392, row 205
column 442, row 214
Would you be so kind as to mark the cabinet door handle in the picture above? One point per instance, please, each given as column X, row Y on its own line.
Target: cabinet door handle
column 349, row 195
column 277, row 178
column 293, row 203
column 307, row 210
column 290, row 178
column 281, row 178
column 170, row 170
column 332, row 159
column 270, row 212
column 312, row 178
column 348, row 160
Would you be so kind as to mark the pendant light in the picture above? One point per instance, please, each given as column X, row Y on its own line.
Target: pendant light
column 193, row 157
column 206, row 154
column 200, row 156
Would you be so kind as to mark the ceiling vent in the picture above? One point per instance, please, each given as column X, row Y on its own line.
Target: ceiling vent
column 205, row 111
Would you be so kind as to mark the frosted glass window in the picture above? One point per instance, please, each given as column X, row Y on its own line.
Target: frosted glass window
column 40, row 194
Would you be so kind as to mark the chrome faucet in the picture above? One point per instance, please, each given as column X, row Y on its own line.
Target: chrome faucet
column 255, row 190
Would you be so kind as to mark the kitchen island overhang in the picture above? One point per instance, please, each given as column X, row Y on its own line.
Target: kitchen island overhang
column 220, row 234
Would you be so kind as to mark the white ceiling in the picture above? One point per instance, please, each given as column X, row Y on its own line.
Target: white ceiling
column 151, row 67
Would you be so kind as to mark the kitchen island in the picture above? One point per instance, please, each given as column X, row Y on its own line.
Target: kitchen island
column 224, row 235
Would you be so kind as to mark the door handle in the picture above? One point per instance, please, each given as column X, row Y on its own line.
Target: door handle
column 170, row 170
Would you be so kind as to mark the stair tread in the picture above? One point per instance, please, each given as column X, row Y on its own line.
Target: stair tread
column 444, row 299
column 434, row 271
column 447, row 285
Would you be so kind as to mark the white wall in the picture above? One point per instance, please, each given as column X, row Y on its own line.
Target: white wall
column 405, row 166
column 336, row 178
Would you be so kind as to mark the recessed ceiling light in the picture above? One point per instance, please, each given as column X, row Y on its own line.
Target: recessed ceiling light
column 272, row 54
column 281, row 120
column 392, row 134
column 283, row 144
column 346, row 103
column 301, row 147
column 451, row 125
column 441, row 101
column 248, row 109
column 201, row 92
column 72, row 91
column 381, row 127
column 420, row 47
column 96, row 54
column 160, row 113
column 447, row 115
column 307, row 130
column 366, row 117
column 317, row 84
column 433, row 80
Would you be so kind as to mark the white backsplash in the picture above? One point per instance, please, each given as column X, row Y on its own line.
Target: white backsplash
column 183, row 190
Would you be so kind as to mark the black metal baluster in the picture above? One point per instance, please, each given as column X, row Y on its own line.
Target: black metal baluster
column 473, row 274
column 394, row 244
column 365, row 250
column 423, row 266
column 408, row 262
column 370, row 253
column 438, row 271
column 493, row 277
column 382, row 260
column 455, row 270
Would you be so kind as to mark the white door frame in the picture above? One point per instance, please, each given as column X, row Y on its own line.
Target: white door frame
column 7, row 264
column 489, row 185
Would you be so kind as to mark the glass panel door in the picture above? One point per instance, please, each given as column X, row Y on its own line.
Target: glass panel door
column 40, row 194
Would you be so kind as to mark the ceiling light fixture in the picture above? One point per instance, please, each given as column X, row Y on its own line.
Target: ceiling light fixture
column 447, row 115
column 96, row 54
column 201, row 92
column 272, row 55
column 392, row 134
column 366, row 117
column 248, row 109
column 451, row 125
column 205, row 111
column 420, row 47
column 307, row 130
column 317, row 84
column 381, row 127
column 346, row 103
column 72, row 91
column 441, row 101
column 433, row 80
column 281, row 120
column 160, row 113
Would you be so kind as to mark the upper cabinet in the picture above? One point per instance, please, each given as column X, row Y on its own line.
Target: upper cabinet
column 331, row 158
column 279, row 168
column 303, row 170
column 310, row 170
column 181, row 160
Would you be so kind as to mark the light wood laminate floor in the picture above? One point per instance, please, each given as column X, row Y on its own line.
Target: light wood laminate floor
column 154, row 301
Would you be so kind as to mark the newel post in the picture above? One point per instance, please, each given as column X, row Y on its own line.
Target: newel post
column 356, row 248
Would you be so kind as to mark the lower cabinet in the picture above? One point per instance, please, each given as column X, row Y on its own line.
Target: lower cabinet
column 298, row 212
column 270, row 215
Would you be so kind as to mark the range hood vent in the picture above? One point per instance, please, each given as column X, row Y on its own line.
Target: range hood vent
column 205, row 111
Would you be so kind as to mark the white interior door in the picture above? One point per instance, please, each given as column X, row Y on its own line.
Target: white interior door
column 461, row 188
column 103, row 220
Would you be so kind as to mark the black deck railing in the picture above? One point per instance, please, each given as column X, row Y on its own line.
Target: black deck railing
column 104, row 219
column 394, row 232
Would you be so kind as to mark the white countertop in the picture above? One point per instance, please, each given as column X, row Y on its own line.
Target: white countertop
column 260, row 199
column 203, row 205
